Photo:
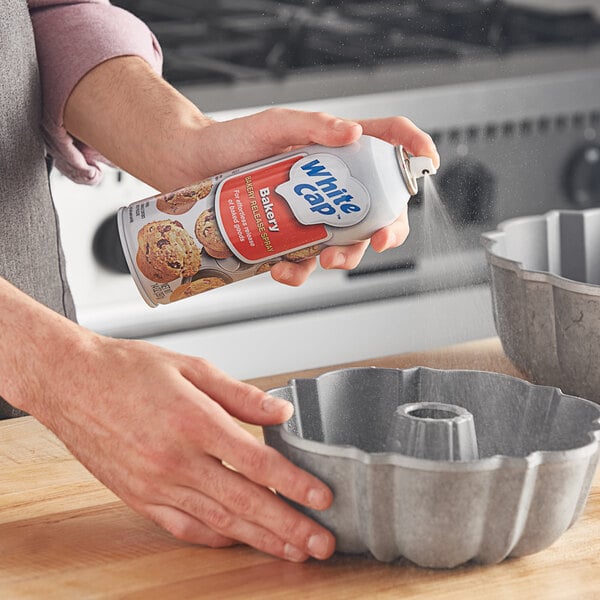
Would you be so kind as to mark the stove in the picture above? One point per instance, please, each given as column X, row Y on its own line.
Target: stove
column 237, row 41
column 510, row 92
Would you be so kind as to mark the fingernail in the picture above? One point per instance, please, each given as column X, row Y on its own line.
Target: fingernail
column 318, row 545
column 271, row 405
column 284, row 274
column 340, row 125
column 392, row 241
column 294, row 554
column 317, row 499
column 339, row 260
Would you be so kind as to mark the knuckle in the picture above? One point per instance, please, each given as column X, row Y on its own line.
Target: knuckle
column 323, row 116
column 402, row 120
column 292, row 484
column 188, row 531
column 241, row 502
column 218, row 518
column 181, row 530
column 214, row 540
column 277, row 112
column 267, row 542
column 200, row 364
column 256, row 459
column 147, row 488
column 169, row 461
column 246, row 396
column 219, row 438
column 293, row 528
column 159, row 465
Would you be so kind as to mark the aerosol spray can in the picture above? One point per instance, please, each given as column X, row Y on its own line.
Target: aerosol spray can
column 289, row 207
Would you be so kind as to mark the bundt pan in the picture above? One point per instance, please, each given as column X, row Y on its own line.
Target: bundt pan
column 545, row 282
column 441, row 467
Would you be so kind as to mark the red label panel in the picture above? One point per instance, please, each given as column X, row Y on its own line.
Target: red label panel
column 256, row 222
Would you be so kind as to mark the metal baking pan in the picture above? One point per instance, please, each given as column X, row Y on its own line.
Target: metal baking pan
column 500, row 467
column 545, row 282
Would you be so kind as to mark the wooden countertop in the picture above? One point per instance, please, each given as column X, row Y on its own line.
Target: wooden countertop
column 64, row 535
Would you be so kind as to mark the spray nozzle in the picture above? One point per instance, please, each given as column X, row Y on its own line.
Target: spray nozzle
column 413, row 167
column 421, row 165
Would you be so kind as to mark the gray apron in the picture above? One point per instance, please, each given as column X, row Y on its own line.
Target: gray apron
column 30, row 253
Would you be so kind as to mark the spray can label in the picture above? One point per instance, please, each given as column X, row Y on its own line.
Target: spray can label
column 238, row 224
column 285, row 206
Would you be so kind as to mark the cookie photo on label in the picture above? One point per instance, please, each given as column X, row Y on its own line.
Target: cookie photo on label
column 182, row 200
column 303, row 253
column 197, row 286
column 208, row 234
column 166, row 251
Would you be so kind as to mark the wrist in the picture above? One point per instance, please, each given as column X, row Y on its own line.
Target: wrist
column 182, row 160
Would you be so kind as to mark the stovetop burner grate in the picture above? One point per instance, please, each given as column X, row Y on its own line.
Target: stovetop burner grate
column 241, row 40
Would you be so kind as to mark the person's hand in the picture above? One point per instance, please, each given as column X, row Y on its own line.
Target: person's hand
column 157, row 428
column 154, row 426
column 162, row 138
column 245, row 140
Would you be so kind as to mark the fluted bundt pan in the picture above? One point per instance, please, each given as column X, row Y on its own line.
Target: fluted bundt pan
column 545, row 282
column 441, row 467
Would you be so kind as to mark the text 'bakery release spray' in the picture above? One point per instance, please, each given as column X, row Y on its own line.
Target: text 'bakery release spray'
column 241, row 223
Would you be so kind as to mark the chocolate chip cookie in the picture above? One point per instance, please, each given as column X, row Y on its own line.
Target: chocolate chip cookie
column 208, row 234
column 203, row 284
column 302, row 254
column 180, row 201
column 166, row 251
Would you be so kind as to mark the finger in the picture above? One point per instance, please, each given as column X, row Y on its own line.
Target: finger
column 393, row 235
column 228, row 442
column 185, row 527
column 293, row 273
column 241, row 400
column 256, row 504
column 400, row 130
column 282, row 127
column 220, row 519
column 343, row 257
column 264, row 465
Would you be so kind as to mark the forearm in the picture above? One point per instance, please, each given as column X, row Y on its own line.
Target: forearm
column 138, row 121
column 37, row 347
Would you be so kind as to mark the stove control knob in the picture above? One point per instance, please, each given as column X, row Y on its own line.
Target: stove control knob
column 468, row 189
column 106, row 246
column 582, row 176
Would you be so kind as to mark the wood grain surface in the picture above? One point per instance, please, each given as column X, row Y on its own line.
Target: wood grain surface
column 63, row 535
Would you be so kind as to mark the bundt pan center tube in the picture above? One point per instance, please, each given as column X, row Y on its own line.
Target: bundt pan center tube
column 441, row 467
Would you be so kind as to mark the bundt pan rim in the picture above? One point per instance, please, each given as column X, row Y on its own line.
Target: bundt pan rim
column 491, row 239
column 487, row 463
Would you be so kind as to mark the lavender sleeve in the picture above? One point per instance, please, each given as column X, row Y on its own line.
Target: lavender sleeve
column 72, row 37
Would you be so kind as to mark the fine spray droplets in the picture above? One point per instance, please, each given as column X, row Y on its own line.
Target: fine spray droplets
column 443, row 243
column 440, row 236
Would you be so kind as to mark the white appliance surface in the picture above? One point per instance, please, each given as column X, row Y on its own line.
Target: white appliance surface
column 511, row 128
column 328, row 337
column 231, row 327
